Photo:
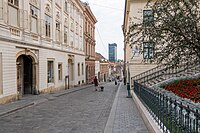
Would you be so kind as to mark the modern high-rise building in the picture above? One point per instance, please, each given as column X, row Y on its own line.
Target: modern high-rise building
column 112, row 52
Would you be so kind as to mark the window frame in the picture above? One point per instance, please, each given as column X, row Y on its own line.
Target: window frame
column 34, row 16
column 48, row 25
column 65, row 34
column 148, row 19
column 58, row 31
column 60, row 71
column 82, row 68
column 66, row 6
column 79, row 69
column 12, row 5
column 148, row 48
column 52, row 80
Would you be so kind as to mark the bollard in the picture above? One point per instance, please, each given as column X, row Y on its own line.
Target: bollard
column 128, row 89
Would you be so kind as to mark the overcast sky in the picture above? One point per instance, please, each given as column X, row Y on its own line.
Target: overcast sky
column 109, row 14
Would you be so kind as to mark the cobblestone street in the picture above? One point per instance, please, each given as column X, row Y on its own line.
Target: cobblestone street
column 83, row 111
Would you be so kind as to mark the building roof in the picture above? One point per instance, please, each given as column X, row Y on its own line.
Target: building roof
column 99, row 57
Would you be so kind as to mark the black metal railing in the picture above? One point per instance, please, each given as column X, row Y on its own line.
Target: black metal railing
column 163, row 72
column 171, row 115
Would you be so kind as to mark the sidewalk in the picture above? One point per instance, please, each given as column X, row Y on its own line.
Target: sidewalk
column 30, row 100
column 124, row 116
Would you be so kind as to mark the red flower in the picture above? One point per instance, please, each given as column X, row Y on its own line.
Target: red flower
column 186, row 89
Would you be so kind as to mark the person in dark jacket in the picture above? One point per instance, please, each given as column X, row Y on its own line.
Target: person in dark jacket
column 95, row 83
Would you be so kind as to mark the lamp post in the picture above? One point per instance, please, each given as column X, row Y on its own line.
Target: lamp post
column 128, row 83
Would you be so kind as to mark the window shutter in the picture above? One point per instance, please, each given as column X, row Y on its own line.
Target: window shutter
column 5, row 12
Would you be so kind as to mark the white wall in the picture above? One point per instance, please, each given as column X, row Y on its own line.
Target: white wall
column 9, row 69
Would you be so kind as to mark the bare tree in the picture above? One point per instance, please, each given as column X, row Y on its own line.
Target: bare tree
column 172, row 28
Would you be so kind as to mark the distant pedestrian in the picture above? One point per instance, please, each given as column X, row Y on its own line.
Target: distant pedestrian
column 115, row 81
column 95, row 83
column 124, row 80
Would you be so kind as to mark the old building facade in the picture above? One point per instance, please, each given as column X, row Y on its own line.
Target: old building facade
column 135, row 61
column 89, row 42
column 41, row 46
column 103, row 67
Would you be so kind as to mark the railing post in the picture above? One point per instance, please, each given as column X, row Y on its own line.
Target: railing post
column 197, row 121
column 160, row 109
column 181, row 118
column 163, row 113
column 187, row 120
column 170, row 113
column 175, row 115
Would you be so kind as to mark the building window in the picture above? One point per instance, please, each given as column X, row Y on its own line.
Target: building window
column 65, row 34
column 13, row 9
column 50, row 72
column 82, row 69
column 148, row 17
column 58, row 36
column 66, row 8
column 34, row 19
column 148, row 50
column 47, row 26
column 78, row 69
column 72, row 25
column 59, row 71
column 76, row 28
column 1, row 80
column 14, row 2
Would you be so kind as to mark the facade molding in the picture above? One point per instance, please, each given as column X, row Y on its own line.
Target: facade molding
column 35, row 45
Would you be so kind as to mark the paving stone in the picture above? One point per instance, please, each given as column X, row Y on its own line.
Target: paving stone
column 83, row 111
column 127, row 118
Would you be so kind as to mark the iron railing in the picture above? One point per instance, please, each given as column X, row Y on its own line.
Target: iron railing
column 163, row 72
column 171, row 115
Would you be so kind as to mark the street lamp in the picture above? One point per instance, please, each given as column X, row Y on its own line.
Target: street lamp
column 128, row 83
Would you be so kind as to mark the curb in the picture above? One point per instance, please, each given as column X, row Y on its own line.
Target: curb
column 16, row 109
column 148, row 120
column 110, row 121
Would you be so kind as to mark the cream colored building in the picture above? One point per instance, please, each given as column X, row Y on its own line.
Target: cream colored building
column 41, row 46
column 135, row 62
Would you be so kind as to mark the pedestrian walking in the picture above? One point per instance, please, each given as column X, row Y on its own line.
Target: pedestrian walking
column 95, row 83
